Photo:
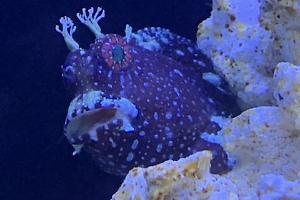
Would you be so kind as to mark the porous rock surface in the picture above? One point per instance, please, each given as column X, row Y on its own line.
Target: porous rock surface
column 247, row 39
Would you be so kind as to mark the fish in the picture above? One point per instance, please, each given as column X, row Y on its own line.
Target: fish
column 142, row 98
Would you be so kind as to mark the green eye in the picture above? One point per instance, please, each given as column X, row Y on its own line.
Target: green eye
column 118, row 54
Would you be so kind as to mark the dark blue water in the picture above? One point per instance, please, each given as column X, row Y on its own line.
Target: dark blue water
column 36, row 161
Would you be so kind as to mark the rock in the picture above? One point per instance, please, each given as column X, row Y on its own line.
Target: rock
column 287, row 92
column 245, row 48
column 187, row 178
column 281, row 17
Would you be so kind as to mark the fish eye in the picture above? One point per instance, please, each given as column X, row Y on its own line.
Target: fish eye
column 118, row 54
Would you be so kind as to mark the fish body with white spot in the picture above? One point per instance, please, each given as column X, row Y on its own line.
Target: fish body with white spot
column 139, row 106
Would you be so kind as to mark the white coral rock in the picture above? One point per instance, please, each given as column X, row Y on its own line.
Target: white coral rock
column 247, row 39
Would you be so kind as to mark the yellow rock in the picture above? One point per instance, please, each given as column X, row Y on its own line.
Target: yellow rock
column 187, row 178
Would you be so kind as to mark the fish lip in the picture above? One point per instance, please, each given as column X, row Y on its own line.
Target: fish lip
column 94, row 109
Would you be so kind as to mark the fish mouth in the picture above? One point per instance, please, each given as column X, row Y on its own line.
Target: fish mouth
column 92, row 110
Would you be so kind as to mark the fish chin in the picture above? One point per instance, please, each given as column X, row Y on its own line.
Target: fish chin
column 93, row 110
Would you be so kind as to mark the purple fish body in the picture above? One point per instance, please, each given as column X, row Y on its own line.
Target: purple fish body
column 142, row 99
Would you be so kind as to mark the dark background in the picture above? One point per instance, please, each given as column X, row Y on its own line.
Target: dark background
column 36, row 161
